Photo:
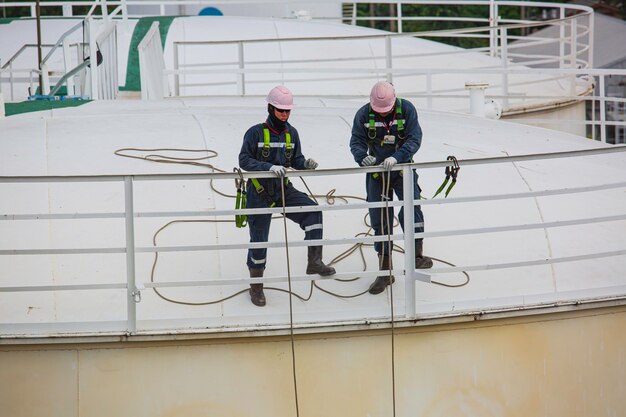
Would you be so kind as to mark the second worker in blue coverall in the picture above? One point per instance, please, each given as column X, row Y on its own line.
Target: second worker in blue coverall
column 275, row 146
column 386, row 131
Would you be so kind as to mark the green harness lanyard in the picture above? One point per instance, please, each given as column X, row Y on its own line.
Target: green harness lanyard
column 241, row 220
column 451, row 172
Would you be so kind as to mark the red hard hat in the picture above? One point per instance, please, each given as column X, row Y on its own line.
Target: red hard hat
column 382, row 97
column 280, row 97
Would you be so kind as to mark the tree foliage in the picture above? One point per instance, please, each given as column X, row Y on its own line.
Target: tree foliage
column 440, row 17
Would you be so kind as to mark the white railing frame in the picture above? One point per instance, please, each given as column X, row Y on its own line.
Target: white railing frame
column 494, row 29
column 573, row 75
column 133, row 289
column 501, row 32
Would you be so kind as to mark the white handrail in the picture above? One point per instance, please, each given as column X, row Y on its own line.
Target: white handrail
column 133, row 289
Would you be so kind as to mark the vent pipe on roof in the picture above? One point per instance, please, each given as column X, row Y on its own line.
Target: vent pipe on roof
column 480, row 107
column 477, row 97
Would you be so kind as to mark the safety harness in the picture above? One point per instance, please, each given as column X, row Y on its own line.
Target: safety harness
column 241, row 220
column 265, row 151
column 371, row 130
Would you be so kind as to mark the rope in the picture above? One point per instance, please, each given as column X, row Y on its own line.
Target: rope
column 156, row 258
column 293, row 349
column 386, row 180
column 330, row 198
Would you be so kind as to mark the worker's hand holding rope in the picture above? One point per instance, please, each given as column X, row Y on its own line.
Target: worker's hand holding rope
column 389, row 163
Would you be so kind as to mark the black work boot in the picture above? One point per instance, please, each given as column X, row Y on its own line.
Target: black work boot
column 421, row 261
column 385, row 264
column 315, row 265
column 256, row 290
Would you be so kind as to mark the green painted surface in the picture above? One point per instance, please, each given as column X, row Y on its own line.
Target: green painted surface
column 11, row 109
column 7, row 20
column 133, row 82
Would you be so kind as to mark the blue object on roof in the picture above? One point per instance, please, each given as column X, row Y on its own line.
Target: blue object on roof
column 210, row 11
column 46, row 97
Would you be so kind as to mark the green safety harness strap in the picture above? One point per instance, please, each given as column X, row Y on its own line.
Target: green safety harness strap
column 265, row 153
column 241, row 220
column 451, row 172
column 266, row 144
column 261, row 191
column 371, row 130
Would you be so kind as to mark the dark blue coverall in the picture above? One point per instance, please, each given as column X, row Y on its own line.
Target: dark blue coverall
column 403, row 150
column 252, row 159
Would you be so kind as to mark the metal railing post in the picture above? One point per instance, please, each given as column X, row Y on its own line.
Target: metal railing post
column 504, row 58
column 493, row 37
column 602, row 110
column 573, row 55
column 104, row 10
column 429, row 90
column 68, row 66
column 561, row 37
column 67, row 10
column 1, row 93
column 93, row 57
column 45, row 80
column 131, row 289
column 590, row 42
column 409, row 241
column 241, row 80
column 11, row 89
column 388, row 61
column 593, row 113
column 176, row 68
column 399, row 16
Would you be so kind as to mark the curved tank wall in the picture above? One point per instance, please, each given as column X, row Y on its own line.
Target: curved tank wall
column 561, row 365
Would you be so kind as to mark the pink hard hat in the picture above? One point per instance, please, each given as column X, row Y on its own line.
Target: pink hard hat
column 382, row 97
column 280, row 97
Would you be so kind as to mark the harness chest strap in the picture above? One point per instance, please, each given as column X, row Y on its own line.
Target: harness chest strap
column 266, row 143
column 372, row 126
column 266, row 153
column 371, row 130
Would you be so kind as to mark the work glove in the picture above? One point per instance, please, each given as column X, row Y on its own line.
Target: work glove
column 310, row 164
column 279, row 170
column 369, row 160
column 389, row 163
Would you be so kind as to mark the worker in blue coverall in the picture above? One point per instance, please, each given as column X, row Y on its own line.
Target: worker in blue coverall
column 386, row 131
column 275, row 146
